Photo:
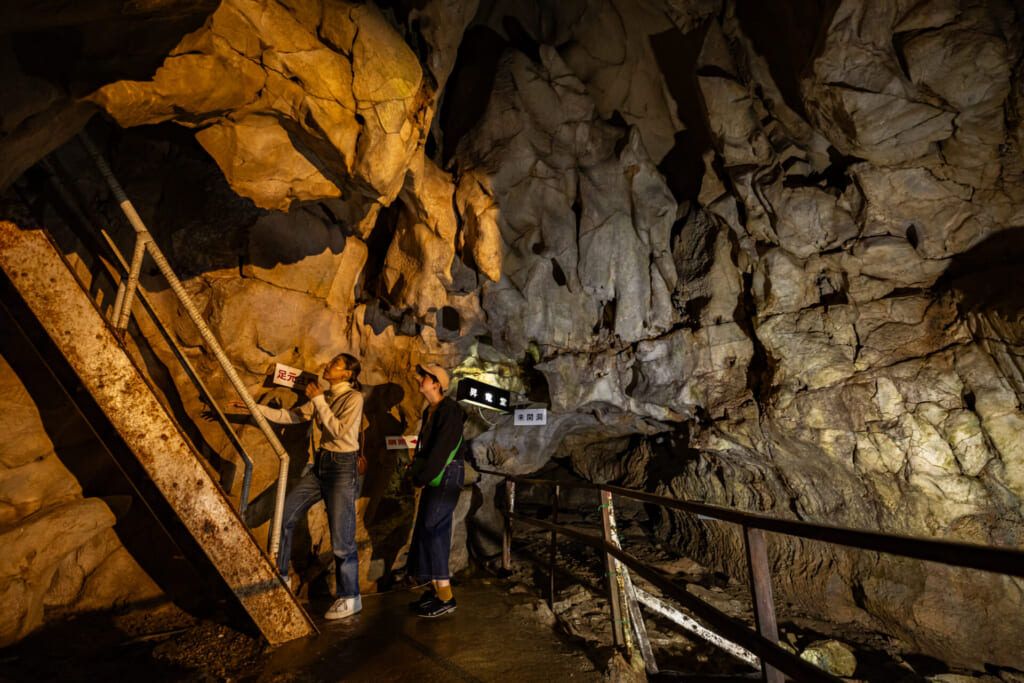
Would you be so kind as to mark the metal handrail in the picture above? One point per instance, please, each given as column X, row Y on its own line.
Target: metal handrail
column 775, row 661
column 957, row 553
column 145, row 244
column 179, row 354
column 727, row 626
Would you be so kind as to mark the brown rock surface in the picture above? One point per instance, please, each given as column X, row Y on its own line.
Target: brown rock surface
column 760, row 258
column 321, row 102
column 61, row 555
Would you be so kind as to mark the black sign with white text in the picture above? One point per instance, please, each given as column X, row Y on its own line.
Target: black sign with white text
column 483, row 395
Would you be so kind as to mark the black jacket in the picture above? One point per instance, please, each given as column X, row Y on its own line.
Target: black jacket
column 438, row 437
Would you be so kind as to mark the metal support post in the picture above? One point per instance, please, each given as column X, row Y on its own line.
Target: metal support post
column 612, row 571
column 506, row 539
column 115, row 312
column 636, row 619
column 125, row 310
column 554, row 555
column 764, row 605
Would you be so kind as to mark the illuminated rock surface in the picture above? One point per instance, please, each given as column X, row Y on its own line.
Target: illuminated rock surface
column 778, row 250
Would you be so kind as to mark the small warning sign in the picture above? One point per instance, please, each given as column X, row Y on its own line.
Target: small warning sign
column 287, row 376
column 398, row 443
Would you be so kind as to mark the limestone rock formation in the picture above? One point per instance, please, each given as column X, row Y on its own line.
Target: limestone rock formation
column 61, row 554
column 758, row 255
column 317, row 100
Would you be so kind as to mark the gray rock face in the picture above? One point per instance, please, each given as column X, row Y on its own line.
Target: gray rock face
column 582, row 278
column 766, row 259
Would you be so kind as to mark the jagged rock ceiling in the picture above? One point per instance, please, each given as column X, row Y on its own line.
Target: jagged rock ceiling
column 755, row 237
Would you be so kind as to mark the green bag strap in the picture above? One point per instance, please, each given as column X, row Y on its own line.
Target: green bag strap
column 436, row 481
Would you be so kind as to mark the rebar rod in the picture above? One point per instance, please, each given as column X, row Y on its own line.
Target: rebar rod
column 208, row 337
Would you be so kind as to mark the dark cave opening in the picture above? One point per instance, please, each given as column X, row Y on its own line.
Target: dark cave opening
column 789, row 35
column 683, row 166
column 469, row 86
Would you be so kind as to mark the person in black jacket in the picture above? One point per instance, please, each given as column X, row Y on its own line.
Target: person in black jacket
column 439, row 469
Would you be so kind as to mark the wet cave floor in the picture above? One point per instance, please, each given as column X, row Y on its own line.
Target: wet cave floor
column 503, row 630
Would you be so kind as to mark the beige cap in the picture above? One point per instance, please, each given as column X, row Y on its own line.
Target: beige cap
column 437, row 372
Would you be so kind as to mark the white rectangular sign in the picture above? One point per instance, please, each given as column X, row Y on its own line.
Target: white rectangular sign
column 531, row 416
column 398, row 443
column 287, row 376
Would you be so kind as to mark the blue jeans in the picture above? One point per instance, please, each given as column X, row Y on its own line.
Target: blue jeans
column 432, row 533
column 333, row 479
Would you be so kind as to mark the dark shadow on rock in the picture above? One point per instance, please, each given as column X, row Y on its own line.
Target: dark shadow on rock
column 683, row 166
column 90, row 646
column 790, row 36
column 380, row 400
column 469, row 86
column 989, row 277
column 60, row 43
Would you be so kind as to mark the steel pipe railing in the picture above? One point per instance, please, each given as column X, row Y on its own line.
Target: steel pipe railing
column 971, row 555
column 179, row 354
column 775, row 661
column 143, row 236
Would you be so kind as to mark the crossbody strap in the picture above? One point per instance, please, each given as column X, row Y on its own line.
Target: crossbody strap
column 436, row 481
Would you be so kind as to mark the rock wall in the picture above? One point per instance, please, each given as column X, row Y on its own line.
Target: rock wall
column 758, row 256
column 61, row 554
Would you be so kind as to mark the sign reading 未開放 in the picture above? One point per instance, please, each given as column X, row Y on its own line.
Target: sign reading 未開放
column 287, row 376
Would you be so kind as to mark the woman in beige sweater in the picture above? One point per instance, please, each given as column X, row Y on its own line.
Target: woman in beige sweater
column 336, row 414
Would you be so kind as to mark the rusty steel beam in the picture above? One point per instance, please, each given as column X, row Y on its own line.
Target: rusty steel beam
column 38, row 271
column 761, row 589
column 620, row 634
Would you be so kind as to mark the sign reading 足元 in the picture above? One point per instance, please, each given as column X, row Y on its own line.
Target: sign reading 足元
column 287, row 376
column 530, row 416
column 483, row 395
column 398, row 443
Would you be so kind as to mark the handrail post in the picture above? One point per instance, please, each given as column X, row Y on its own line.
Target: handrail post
column 506, row 539
column 764, row 605
column 115, row 311
column 612, row 572
column 554, row 555
column 636, row 619
column 125, row 310
column 204, row 331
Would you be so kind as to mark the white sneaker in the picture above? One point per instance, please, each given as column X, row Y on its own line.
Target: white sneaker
column 288, row 582
column 344, row 607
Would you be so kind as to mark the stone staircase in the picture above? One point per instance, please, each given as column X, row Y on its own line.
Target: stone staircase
column 44, row 281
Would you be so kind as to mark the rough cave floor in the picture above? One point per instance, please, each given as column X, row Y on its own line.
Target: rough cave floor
column 503, row 630
column 494, row 636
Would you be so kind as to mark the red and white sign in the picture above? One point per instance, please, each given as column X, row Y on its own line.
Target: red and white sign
column 398, row 443
column 287, row 376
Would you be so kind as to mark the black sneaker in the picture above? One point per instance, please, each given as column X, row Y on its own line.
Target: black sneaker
column 418, row 603
column 436, row 607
